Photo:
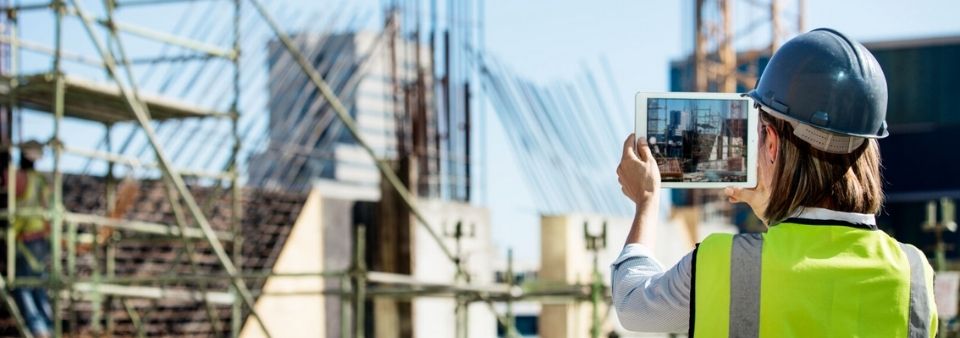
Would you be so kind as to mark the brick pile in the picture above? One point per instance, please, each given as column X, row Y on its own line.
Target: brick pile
column 267, row 220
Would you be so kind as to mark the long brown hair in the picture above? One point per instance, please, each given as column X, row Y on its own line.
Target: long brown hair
column 807, row 177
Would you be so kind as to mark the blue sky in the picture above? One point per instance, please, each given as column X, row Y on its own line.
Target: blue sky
column 555, row 40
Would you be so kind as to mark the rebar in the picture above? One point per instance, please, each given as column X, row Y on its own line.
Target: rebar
column 350, row 124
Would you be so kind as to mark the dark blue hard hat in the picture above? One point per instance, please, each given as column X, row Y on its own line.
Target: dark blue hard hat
column 825, row 80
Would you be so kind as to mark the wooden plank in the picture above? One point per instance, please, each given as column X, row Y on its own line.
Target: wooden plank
column 95, row 101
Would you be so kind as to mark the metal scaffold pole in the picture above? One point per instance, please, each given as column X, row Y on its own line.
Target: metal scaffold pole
column 511, row 326
column 10, row 275
column 236, row 200
column 345, row 307
column 595, row 244
column 358, row 275
column 11, row 168
column 56, row 224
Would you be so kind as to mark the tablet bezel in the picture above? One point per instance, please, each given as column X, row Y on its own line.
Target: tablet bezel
column 752, row 135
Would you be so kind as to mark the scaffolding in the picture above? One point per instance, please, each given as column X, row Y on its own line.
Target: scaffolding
column 63, row 95
column 66, row 96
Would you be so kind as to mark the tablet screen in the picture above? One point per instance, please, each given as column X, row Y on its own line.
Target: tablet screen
column 698, row 140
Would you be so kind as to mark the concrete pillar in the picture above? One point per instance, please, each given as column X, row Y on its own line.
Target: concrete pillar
column 564, row 259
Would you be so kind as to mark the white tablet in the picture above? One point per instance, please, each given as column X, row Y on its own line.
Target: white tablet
column 700, row 140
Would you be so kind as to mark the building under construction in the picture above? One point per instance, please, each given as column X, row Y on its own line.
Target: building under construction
column 252, row 169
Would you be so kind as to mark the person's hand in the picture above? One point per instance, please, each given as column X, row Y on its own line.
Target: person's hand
column 638, row 173
column 756, row 198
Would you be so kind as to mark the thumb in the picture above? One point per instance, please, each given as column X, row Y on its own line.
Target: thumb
column 736, row 194
column 629, row 147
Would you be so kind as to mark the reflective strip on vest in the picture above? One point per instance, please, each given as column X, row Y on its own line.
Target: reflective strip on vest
column 919, row 303
column 729, row 295
column 745, row 285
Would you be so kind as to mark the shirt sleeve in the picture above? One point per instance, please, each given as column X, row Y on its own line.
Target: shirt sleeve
column 648, row 298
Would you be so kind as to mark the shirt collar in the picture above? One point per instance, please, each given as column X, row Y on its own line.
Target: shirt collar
column 822, row 214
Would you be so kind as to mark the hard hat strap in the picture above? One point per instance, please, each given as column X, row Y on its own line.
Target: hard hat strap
column 819, row 139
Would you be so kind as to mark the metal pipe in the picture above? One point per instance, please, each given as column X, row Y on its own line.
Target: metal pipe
column 111, row 272
column 169, row 59
column 134, row 318
column 236, row 200
column 136, row 162
column 27, row 7
column 359, row 277
column 11, row 233
column 56, row 224
column 190, row 251
column 344, row 308
column 511, row 327
column 37, row 47
column 221, row 298
column 96, row 276
column 410, row 287
column 132, row 3
column 596, row 296
column 173, row 279
column 11, row 305
column 111, row 197
column 139, row 226
column 163, row 37
column 72, row 267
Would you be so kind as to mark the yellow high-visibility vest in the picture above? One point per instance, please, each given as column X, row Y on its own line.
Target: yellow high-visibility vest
column 32, row 198
column 811, row 278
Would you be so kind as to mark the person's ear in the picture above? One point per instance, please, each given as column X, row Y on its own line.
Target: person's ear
column 772, row 144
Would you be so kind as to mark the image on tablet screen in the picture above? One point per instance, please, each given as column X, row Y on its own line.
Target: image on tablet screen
column 698, row 140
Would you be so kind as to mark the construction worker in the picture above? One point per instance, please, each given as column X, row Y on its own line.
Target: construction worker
column 33, row 242
column 822, row 269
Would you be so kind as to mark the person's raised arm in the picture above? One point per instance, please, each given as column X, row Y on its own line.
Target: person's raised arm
column 639, row 179
column 645, row 296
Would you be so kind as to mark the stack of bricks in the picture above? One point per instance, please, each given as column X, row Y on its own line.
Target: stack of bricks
column 268, row 218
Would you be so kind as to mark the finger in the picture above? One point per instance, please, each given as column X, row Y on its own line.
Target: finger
column 629, row 147
column 643, row 150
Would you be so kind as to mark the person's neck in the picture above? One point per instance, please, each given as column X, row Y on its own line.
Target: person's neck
column 824, row 204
